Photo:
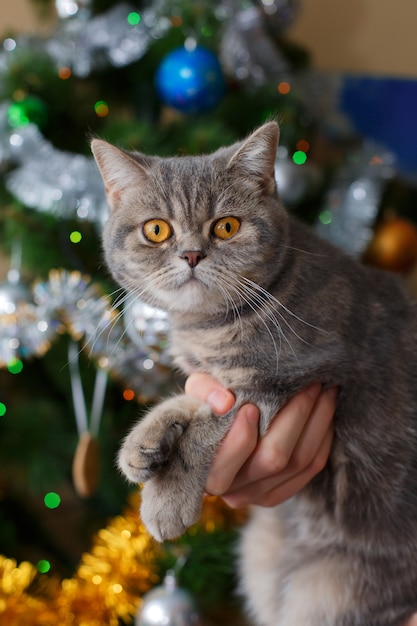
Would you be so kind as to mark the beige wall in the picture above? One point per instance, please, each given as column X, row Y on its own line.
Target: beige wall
column 20, row 16
column 365, row 36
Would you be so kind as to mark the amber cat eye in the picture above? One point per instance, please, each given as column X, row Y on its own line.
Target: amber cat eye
column 157, row 230
column 226, row 227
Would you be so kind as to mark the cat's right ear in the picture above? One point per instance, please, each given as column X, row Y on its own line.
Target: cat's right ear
column 118, row 170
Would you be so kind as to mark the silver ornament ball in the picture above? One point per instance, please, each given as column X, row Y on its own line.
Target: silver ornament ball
column 295, row 182
column 168, row 605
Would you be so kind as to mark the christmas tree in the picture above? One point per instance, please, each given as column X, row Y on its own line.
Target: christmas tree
column 78, row 361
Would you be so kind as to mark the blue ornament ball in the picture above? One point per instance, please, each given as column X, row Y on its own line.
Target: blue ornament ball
column 190, row 81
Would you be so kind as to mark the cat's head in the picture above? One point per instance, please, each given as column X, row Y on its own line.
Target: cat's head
column 188, row 233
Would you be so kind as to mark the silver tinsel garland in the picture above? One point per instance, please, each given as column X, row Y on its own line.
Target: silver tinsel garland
column 47, row 179
column 131, row 349
column 352, row 202
column 248, row 50
column 87, row 44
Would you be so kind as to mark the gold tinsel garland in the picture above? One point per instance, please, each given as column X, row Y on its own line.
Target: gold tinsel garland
column 109, row 582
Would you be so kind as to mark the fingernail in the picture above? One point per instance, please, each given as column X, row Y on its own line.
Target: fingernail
column 232, row 501
column 251, row 413
column 313, row 390
column 219, row 400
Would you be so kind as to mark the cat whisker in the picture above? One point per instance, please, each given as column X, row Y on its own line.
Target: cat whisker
column 302, row 250
column 251, row 292
column 90, row 338
column 120, row 300
column 272, row 298
column 93, row 340
column 118, row 322
column 117, row 292
column 270, row 315
column 255, row 302
column 265, row 301
column 229, row 300
column 251, row 303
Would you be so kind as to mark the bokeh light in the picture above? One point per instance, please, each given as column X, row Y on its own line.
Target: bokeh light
column 128, row 394
column 325, row 217
column 15, row 366
column 303, row 145
column 52, row 500
column 3, row 409
column 75, row 236
column 376, row 160
column 134, row 18
column 101, row 108
column 299, row 157
column 17, row 116
column 64, row 73
column 43, row 566
column 176, row 21
column 206, row 31
column 9, row 44
column 284, row 87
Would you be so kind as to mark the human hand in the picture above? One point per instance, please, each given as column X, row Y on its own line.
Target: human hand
column 267, row 471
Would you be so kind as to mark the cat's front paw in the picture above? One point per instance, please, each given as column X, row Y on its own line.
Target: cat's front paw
column 158, row 440
column 170, row 450
column 168, row 512
column 147, row 450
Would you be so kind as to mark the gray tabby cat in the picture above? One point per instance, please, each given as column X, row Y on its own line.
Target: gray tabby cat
column 257, row 300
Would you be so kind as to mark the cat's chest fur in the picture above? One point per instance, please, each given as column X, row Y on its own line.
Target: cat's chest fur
column 221, row 349
column 249, row 353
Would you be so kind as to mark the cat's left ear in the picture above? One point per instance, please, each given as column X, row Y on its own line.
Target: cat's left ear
column 256, row 156
column 118, row 169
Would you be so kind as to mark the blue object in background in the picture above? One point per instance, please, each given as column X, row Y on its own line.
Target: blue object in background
column 190, row 80
column 385, row 110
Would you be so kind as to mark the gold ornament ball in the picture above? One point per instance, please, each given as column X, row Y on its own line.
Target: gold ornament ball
column 394, row 246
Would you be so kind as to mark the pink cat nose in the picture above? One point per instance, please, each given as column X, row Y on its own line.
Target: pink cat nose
column 193, row 257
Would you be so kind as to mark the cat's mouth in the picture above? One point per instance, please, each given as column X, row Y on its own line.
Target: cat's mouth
column 191, row 278
column 192, row 282
column 187, row 296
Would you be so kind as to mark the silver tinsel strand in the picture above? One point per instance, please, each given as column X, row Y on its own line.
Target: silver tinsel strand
column 134, row 350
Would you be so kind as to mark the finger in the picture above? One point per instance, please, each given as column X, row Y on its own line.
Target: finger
column 275, row 449
column 266, row 493
column 315, row 429
column 316, row 440
column 208, row 389
column 235, row 449
column 412, row 621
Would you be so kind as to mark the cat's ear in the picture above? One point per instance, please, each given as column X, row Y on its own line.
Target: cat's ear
column 256, row 156
column 118, row 169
